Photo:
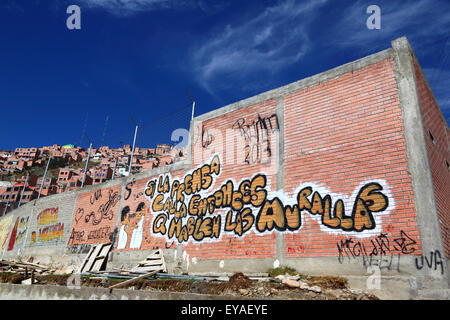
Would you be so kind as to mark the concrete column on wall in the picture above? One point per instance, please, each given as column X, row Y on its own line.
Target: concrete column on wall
column 280, row 171
column 418, row 163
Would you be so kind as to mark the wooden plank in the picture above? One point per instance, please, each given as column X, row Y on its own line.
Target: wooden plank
column 86, row 258
column 164, row 264
column 133, row 280
column 153, row 256
column 149, row 268
column 152, row 263
column 90, row 262
column 101, row 258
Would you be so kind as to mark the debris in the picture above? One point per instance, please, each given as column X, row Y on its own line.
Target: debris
column 316, row 289
column 291, row 283
column 155, row 261
column 23, row 266
column 328, row 282
column 95, row 260
column 223, row 279
column 280, row 277
column 132, row 280
column 244, row 292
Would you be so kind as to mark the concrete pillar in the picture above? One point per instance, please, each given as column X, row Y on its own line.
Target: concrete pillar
column 418, row 163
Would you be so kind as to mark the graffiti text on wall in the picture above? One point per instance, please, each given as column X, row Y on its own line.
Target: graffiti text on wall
column 94, row 217
column 18, row 232
column 433, row 261
column 49, row 227
column 380, row 251
column 184, row 210
column 257, row 134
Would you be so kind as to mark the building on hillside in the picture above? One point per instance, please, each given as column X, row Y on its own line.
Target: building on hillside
column 27, row 153
column 49, row 186
column 101, row 175
column 163, row 149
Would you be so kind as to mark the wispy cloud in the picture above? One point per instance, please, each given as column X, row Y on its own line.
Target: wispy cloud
column 128, row 7
column 272, row 40
column 418, row 20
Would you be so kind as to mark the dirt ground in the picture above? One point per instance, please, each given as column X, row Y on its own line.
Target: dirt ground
column 332, row 288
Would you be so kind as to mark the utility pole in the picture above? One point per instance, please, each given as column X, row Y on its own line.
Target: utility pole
column 43, row 180
column 9, row 198
column 23, row 190
column 87, row 161
column 134, row 143
column 193, row 104
column 114, row 171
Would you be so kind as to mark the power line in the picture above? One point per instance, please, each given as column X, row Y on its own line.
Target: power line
column 146, row 124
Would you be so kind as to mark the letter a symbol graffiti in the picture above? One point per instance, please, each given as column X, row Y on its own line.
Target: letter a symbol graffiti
column 74, row 20
column 373, row 21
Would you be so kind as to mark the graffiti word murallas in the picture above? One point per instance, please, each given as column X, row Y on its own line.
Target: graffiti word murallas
column 182, row 218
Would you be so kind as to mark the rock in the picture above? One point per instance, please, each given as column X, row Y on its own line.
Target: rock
column 69, row 270
column 296, row 277
column 304, row 285
column 223, row 279
column 316, row 289
column 291, row 283
column 267, row 294
column 244, row 292
column 260, row 289
column 280, row 277
column 355, row 291
column 27, row 281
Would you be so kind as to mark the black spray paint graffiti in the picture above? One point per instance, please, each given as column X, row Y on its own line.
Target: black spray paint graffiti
column 380, row 252
column 96, row 196
column 99, row 234
column 128, row 189
column 79, row 249
column 170, row 198
column 207, row 138
column 104, row 211
column 432, row 263
column 257, row 137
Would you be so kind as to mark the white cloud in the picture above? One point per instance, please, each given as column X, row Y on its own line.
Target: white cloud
column 127, row 7
column 418, row 20
column 273, row 39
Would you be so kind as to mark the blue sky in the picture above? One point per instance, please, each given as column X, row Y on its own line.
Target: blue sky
column 139, row 56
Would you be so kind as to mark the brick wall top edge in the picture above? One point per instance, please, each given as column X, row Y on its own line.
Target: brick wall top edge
column 300, row 84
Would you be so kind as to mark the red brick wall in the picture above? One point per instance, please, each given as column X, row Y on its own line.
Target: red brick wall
column 438, row 152
column 95, row 216
column 339, row 135
column 346, row 186
column 343, row 139
column 244, row 152
column 134, row 195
